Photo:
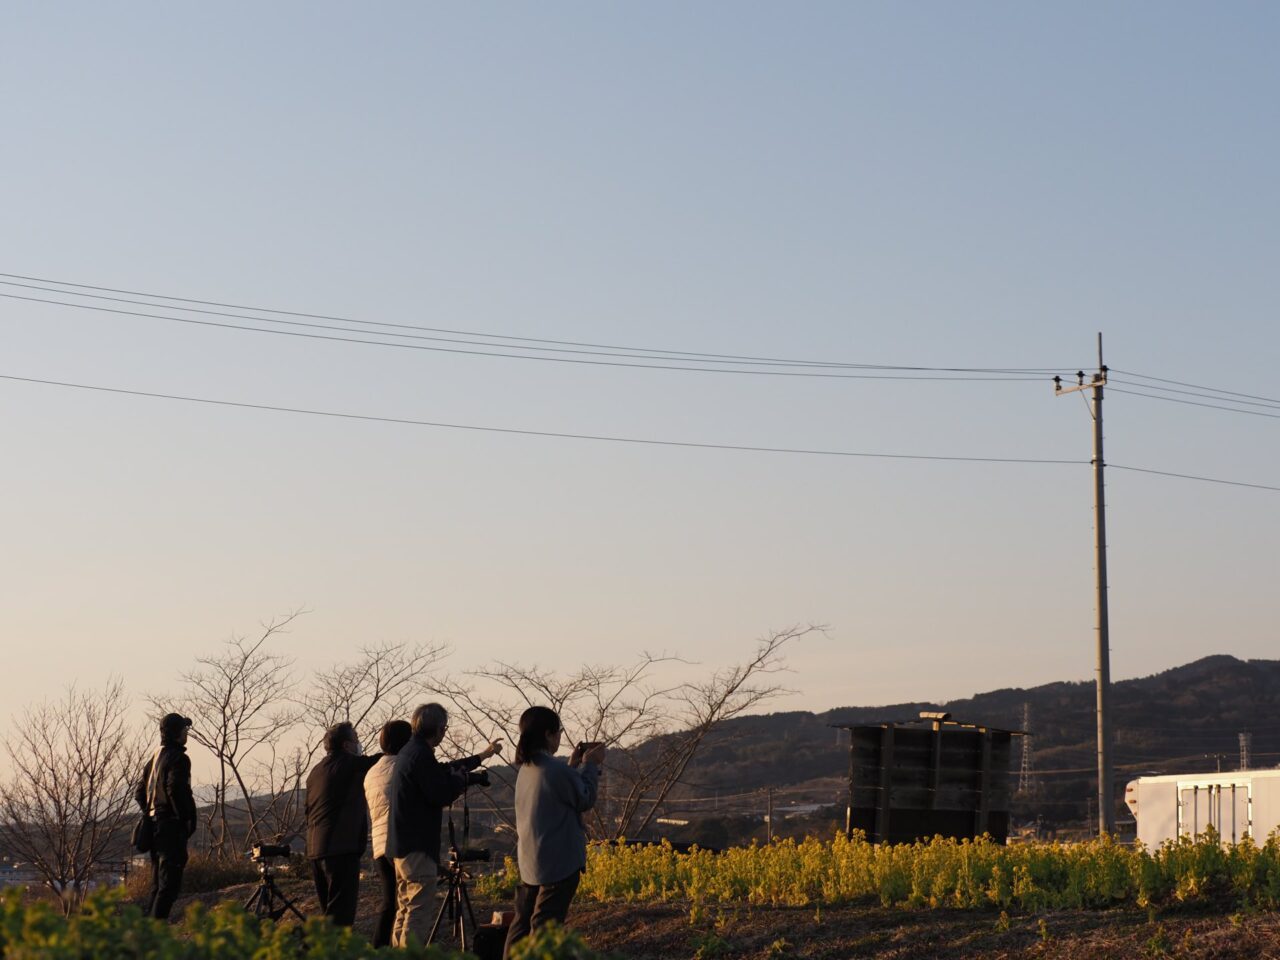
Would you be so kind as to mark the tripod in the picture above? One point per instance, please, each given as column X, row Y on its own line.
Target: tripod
column 456, row 897
column 268, row 902
column 456, row 900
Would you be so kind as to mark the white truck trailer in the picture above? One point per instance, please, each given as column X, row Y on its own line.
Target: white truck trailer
column 1236, row 804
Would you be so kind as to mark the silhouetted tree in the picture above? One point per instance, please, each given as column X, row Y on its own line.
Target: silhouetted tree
column 68, row 803
column 656, row 729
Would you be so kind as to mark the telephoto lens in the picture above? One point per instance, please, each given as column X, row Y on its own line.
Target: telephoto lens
column 263, row 851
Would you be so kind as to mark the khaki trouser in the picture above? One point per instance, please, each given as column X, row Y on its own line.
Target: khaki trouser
column 415, row 895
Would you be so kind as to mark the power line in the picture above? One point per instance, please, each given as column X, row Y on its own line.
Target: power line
column 532, row 433
column 1195, row 729
column 1183, row 383
column 1268, row 404
column 1130, row 765
column 744, row 448
column 1188, row 476
column 411, row 336
column 1190, row 403
column 509, row 356
column 670, row 354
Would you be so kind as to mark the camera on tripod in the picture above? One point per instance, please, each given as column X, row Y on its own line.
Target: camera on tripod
column 470, row 855
column 262, row 852
column 478, row 778
column 268, row 901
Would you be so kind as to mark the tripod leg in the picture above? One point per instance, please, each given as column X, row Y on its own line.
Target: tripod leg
column 291, row 907
column 281, row 904
column 465, row 899
column 435, row 927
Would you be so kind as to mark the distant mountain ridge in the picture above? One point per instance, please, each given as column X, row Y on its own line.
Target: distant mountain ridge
column 1186, row 718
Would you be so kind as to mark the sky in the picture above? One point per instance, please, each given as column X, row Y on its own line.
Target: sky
column 981, row 185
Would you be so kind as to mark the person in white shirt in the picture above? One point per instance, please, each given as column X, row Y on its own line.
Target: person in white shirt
column 377, row 791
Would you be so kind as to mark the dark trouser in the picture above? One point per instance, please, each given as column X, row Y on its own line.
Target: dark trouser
column 387, row 916
column 338, row 886
column 168, row 858
column 535, row 905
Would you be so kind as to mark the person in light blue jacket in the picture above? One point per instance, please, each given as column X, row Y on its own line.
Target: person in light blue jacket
column 551, row 843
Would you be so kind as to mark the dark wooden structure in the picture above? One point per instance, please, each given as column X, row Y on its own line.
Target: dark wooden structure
column 928, row 777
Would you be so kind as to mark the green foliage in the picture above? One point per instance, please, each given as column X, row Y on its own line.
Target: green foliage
column 708, row 945
column 553, row 942
column 1157, row 944
column 941, row 873
column 810, row 873
column 500, row 885
column 109, row 928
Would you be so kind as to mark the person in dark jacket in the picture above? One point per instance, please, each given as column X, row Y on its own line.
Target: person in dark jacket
column 338, row 822
column 421, row 787
column 164, row 795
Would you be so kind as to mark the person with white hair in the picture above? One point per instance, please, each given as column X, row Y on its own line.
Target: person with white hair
column 421, row 787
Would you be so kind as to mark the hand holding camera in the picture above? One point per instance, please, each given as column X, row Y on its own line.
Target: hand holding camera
column 588, row 751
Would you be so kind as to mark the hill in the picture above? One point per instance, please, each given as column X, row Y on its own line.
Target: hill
column 1184, row 719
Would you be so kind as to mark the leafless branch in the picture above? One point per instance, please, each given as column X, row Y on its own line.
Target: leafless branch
column 655, row 730
column 66, row 807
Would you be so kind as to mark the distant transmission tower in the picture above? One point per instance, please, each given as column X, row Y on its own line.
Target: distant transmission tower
column 1246, row 748
column 1026, row 775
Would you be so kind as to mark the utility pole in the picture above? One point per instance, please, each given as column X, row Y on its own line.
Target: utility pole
column 768, row 817
column 1106, row 789
column 1246, row 749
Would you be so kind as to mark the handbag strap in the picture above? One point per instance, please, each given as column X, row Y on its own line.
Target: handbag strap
column 151, row 783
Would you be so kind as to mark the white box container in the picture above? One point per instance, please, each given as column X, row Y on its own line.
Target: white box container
column 1238, row 804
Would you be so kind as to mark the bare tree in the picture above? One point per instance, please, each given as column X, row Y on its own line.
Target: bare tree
column 281, row 813
column 644, row 778
column 67, row 805
column 382, row 683
column 655, row 729
column 265, row 733
column 242, row 707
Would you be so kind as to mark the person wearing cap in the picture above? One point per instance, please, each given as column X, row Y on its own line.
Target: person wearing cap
column 164, row 795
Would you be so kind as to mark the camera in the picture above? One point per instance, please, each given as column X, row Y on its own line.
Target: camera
column 478, row 778
column 471, row 855
column 585, row 745
column 266, row 851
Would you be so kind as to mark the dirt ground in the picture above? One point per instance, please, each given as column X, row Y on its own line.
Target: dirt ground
column 665, row 932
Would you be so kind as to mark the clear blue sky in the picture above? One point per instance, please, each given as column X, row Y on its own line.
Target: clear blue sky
column 930, row 184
